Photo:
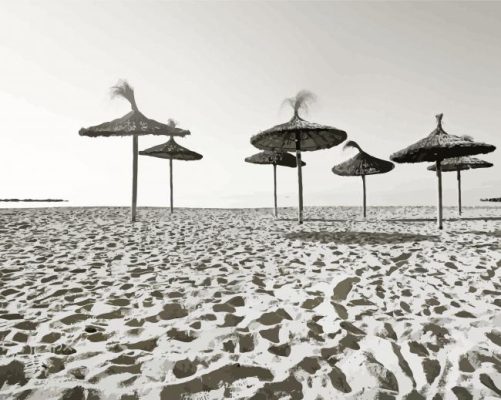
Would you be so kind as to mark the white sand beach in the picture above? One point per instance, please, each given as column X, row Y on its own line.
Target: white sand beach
column 212, row 304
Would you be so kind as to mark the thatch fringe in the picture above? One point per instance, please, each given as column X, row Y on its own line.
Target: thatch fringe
column 171, row 150
column 123, row 89
column 274, row 157
column 461, row 164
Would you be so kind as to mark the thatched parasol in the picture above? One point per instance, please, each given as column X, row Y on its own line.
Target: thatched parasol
column 133, row 124
column 459, row 164
column 171, row 151
column 275, row 158
column 299, row 135
column 362, row 164
column 436, row 147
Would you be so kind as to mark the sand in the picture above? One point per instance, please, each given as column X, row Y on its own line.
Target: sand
column 212, row 304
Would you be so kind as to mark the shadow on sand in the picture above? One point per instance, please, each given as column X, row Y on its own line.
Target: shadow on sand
column 496, row 234
column 392, row 219
column 445, row 219
column 318, row 220
column 351, row 237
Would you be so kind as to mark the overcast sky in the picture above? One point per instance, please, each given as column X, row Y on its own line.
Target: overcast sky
column 381, row 72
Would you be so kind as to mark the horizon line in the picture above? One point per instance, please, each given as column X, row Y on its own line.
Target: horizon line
column 253, row 208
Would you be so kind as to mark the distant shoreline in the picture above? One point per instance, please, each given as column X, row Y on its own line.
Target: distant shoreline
column 33, row 200
column 233, row 208
column 493, row 200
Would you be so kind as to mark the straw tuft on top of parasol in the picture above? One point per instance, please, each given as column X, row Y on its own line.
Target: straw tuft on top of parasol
column 133, row 124
column 362, row 164
column 459, row 164
column 274, row 158
column 171, row 150
column 436, row 147
column 299, row 135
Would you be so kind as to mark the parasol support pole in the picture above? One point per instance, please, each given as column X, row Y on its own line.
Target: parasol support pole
column 171, row 187
column 459, row 192
column 134, row 175
column 299, row 178
column 365, row 197
column 275, row 188
column 439, row 210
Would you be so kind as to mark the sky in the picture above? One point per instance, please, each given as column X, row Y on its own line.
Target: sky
column 380, row 70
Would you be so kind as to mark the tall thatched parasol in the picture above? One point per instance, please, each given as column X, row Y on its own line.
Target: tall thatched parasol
column 299, row 135
column 171, row 151
column 436, row 147
column 459, row 164
column 133, row 124
column 362, row 164
column 275, row 158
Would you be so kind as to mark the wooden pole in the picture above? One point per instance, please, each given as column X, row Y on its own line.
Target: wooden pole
column 275, row 187
column 171, row 187
column 439, row 211
column 134, row 175
column 365, row 197
column 299, row 178
column 459, row 192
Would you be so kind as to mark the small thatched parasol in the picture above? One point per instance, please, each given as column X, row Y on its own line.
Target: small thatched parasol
column 171, row 151
column 459, row 164
column 275, row 158
column 133, row 124
column 436, row 147
column 362, row 164
column 299, row 135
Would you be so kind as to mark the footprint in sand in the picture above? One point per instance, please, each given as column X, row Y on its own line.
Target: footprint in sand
column 343, row 288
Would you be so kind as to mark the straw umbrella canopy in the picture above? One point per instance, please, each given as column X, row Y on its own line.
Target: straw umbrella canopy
column 299, row 135
column 171, row 151
column 436, row 147
column 275, row 158
column 362, row 164
column 459, row 164
column 133, row 124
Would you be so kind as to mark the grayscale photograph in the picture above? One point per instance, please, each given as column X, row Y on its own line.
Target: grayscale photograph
column 236, row 199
